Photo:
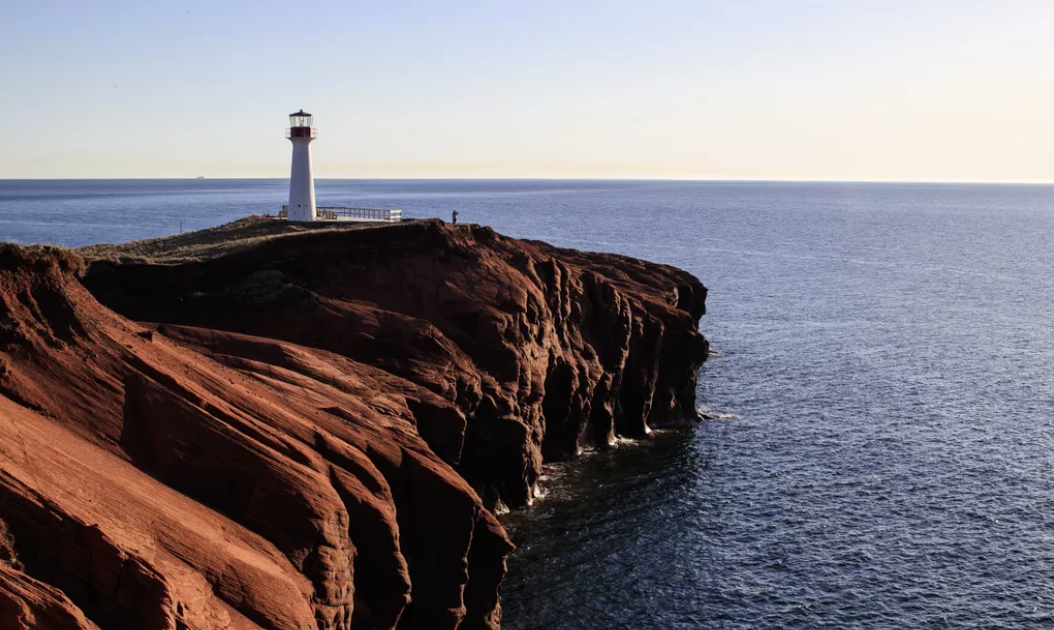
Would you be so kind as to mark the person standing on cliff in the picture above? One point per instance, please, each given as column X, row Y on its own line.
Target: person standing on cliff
column 454, row 218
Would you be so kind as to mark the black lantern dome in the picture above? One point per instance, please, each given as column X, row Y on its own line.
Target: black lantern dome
column 301, row 125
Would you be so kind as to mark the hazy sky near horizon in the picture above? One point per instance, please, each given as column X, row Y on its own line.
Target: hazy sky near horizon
column 930, row 90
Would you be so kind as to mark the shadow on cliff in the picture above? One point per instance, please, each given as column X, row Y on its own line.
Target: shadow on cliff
column 532, row 351
column 312, row 430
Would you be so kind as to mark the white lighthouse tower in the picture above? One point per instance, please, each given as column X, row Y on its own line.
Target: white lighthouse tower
column 301, row 184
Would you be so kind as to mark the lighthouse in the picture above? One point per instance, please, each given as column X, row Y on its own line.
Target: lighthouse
column 301, row 184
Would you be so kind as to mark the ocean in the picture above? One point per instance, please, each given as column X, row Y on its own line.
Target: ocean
column 880, row 452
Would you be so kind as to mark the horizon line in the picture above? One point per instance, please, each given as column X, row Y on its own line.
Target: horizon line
column 580, row 179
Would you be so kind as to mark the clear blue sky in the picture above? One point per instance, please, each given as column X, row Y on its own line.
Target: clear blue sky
column 935, row 90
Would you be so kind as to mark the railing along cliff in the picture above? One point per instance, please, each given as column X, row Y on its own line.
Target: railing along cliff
column 344, row 213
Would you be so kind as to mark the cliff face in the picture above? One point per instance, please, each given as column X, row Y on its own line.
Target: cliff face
column 301, row 435
column 530, row 350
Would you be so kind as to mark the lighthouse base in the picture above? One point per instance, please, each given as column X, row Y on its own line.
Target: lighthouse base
column 301, row 212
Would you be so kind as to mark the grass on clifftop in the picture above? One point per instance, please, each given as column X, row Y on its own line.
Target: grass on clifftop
column 213, row 242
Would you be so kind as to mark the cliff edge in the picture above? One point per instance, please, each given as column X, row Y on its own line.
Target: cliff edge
column 275, row 426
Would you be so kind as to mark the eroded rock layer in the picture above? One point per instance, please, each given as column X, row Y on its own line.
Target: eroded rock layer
column 296, row 434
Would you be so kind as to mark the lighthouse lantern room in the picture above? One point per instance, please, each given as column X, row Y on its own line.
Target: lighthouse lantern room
column 301, row 183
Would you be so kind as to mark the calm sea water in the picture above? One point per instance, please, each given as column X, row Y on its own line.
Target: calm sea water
column 884, row 456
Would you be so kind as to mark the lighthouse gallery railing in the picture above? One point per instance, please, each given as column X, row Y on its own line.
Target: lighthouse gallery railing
column 301, row 132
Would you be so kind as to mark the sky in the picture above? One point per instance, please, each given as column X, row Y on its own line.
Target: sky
column 890, row 90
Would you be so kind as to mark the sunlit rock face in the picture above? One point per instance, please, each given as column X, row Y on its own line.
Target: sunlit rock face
column 312, row 430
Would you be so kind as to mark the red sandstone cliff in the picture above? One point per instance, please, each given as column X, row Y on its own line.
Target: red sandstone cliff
column 301, row 435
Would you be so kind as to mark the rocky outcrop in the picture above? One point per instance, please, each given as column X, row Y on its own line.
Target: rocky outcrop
column 310, row 431
column 532, row 352
column 26, row 604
